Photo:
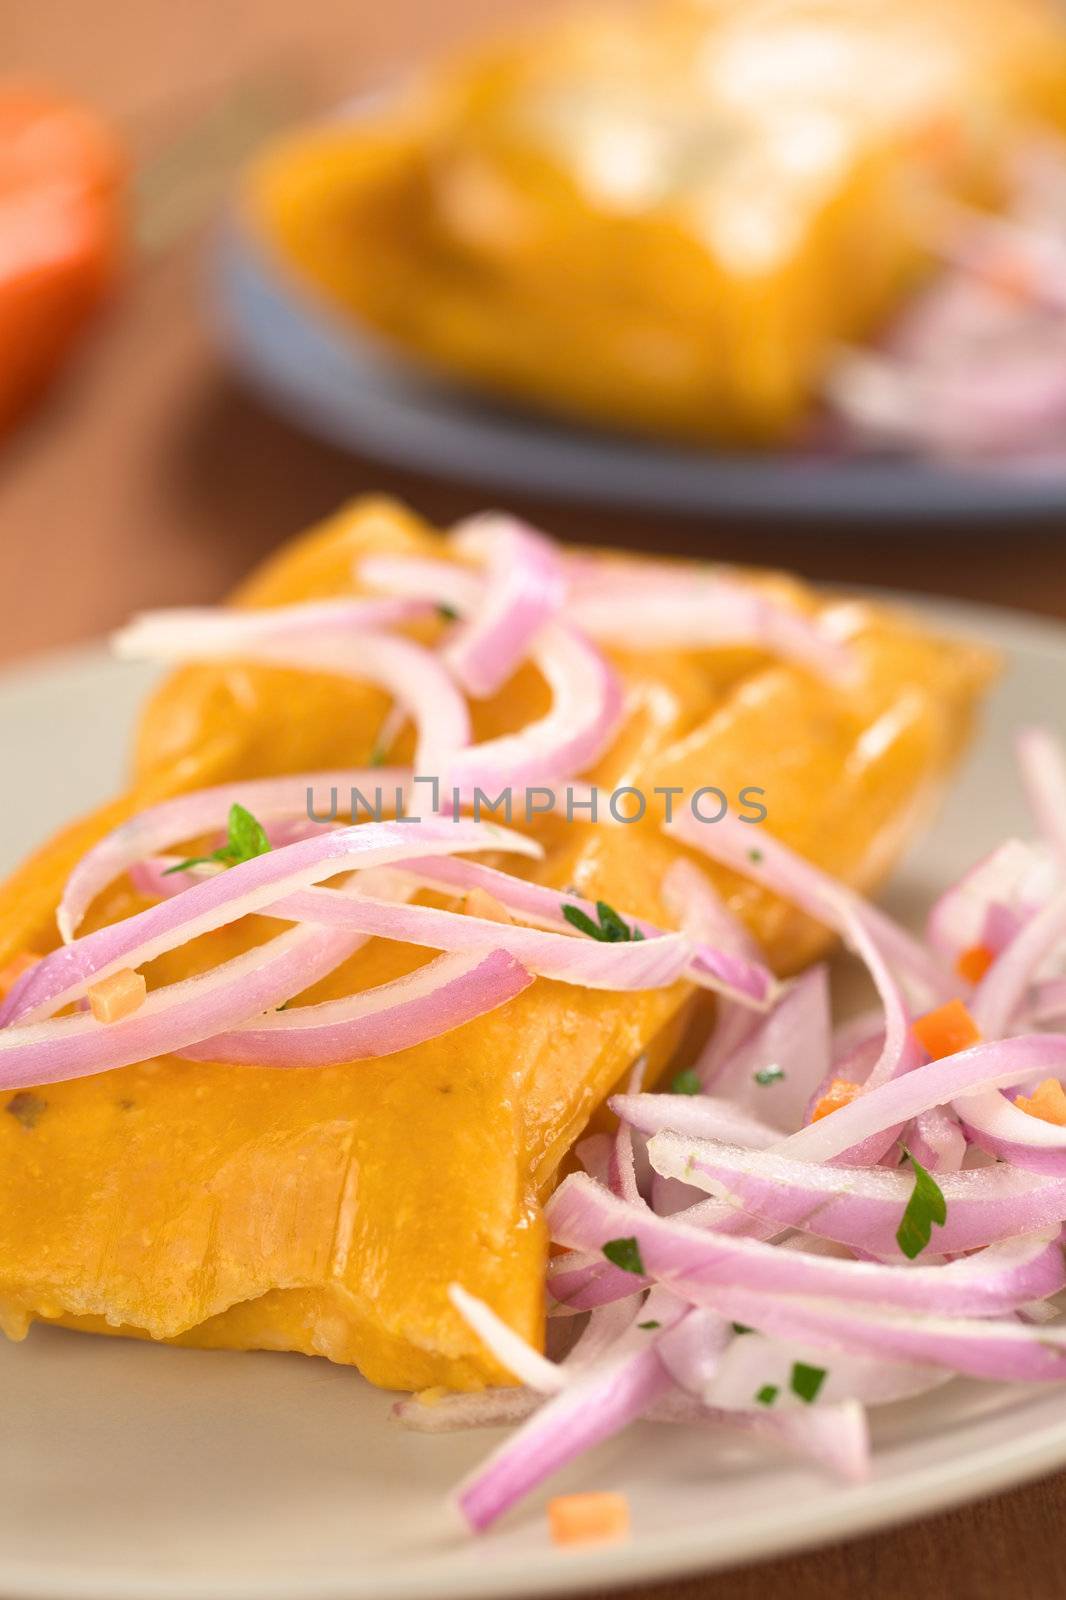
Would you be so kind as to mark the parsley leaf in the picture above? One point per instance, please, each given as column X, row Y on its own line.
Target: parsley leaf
column 767, row 1394
column 756, row 857
column 649, row 1324
column 925, row 1208
column 245, row 839
column 625, row 1253
column 767, row 1075
column 446, row 612
column 806, row 1381
column 687, row 1082
column 610, row 929
column 741, row 1327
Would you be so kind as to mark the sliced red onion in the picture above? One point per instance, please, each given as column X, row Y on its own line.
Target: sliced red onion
column 700, row 1116
column 774, row 1073
column 1002, row 1129
column 566, row 957
column 752, row 1361
column 1008, row 880
column 250, row 886
column 862, row 1207
column 622, row 1175
column 1000, row 1063
column 692, row 1349
column 647, row 609
column 595, row 1406
column 171, row 1018
column 411, row 674
column 684, row 609
column 833, row 1437
column 1043, row 769
column 748, row 849
column 524, row 589
column 695, row 1264
column 714, row 964
column 602, row 1330
column 585, row 715
column 587, row 701
column 423, row 578
column 899, row 1052
column 157, row 877
column 692, row 900
column 217, row 628
column 268, row 799
column 424, row 1004
column 937, row 1141
column 1004, row 986
column 1002, row 1350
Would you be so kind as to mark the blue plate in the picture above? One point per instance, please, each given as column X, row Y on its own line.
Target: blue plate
column 336, row 382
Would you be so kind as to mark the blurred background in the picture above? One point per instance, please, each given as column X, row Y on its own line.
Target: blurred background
column 139, row 468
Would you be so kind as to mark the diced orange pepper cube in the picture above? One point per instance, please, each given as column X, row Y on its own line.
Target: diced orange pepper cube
column 12, row 970
column 973, row 963
column 479, row 903
column 118, row 996
column 1048, row 1102
column 588, row 1518
column 841, row 1092
column 946, row 1030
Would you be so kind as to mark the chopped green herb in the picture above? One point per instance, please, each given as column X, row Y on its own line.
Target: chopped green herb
column 625, row 1253
column 767, row 1394
column 26, row 1108
column 245, row 839
column 756, row 856
column 806, row 1381
column 925, row 1207
column 446, row 612
column 377, row 756
column 767, row 1075
column 611, row 929
column 687, row 1082
column 741, row 1327
column 652, row 1324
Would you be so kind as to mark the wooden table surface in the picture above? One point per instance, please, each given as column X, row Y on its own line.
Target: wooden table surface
column 150, row 478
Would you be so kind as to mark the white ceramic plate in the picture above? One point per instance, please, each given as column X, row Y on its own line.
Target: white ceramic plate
column 129, row 1470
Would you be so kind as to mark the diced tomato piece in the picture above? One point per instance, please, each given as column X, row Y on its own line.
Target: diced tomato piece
column 946, row 1030
column 588, row 1518
column 841, row 1092
column 1048, row 1102
column 975, row 962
